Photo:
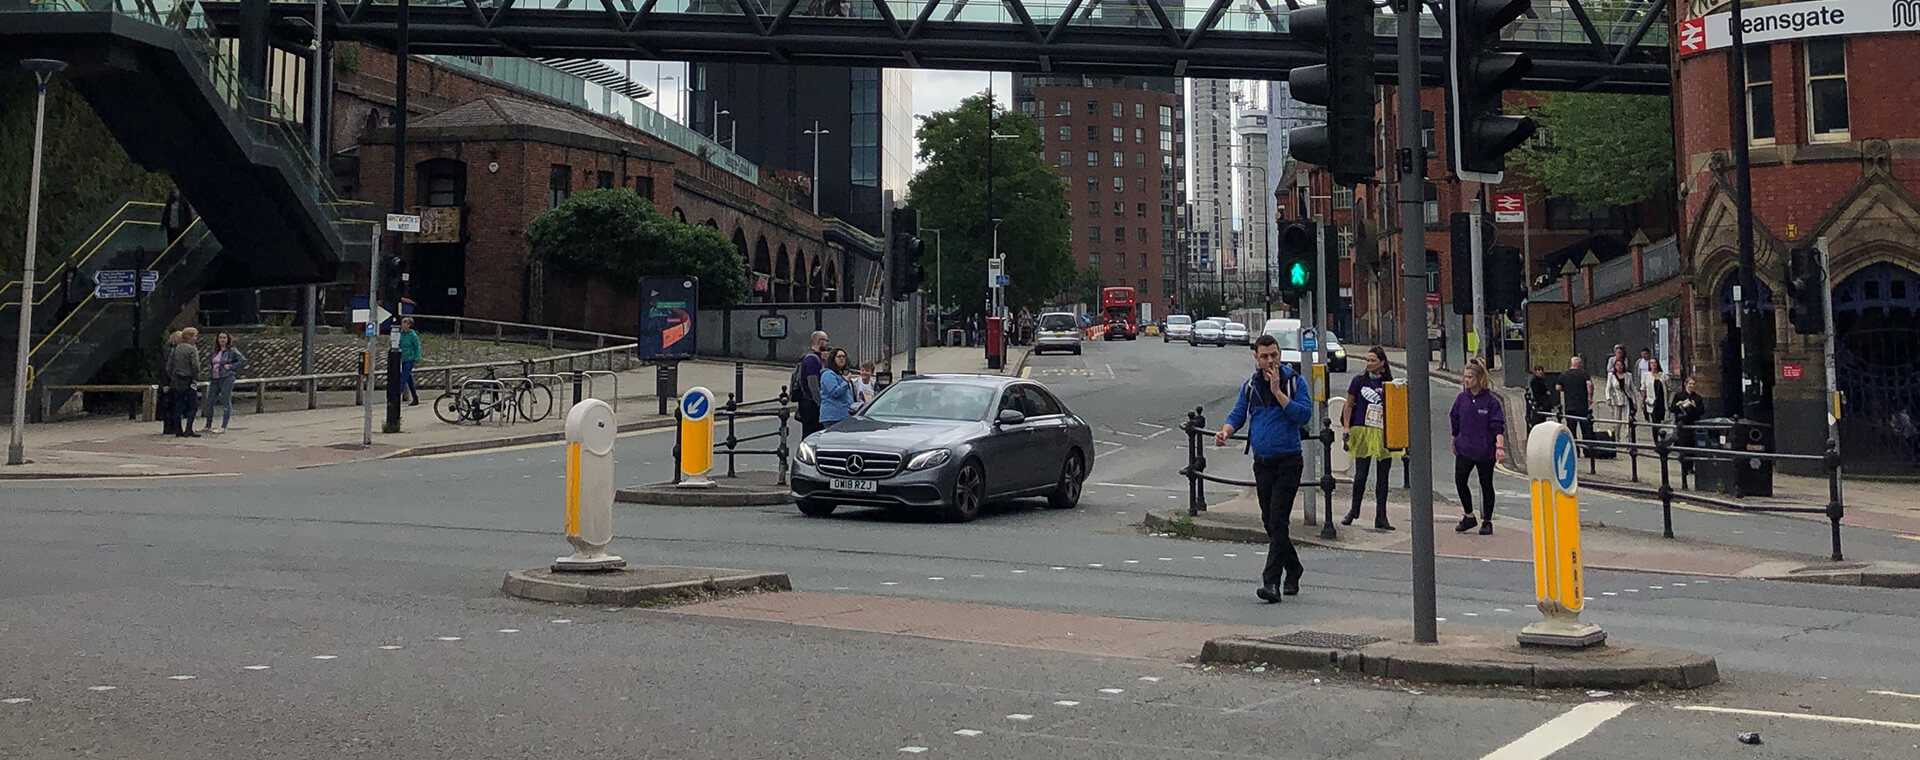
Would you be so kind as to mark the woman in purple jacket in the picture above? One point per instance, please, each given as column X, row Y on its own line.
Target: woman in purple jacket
column 1479, row 440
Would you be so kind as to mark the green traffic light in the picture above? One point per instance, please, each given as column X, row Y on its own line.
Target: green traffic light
column 1297, row 275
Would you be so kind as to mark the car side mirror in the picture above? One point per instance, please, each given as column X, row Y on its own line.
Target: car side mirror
column 1011, row 417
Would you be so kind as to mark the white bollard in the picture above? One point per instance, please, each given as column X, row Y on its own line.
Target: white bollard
column 1337, row 413
column 589, row 488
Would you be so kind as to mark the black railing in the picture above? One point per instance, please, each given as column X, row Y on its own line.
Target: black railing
column 1196, row 470
column 736, row 410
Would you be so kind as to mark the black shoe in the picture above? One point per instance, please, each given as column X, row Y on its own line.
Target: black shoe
column 416, row 402
column 1268, row 593
column 1466, row 524
column 1486, row 528
column 1351, row 516
column 1383, row 525
column 1292, row 586
column 189, row 434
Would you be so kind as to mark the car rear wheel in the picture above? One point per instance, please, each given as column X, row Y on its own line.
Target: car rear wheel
column 1066, row 493
column 812, row 508
column 969, row 493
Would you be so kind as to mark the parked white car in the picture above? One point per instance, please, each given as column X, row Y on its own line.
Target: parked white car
column 1179, row 327
column 1236, row 333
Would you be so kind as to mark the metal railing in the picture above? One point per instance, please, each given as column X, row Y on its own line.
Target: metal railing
column 735, row 410
column 1195, row 471
column 465, row 328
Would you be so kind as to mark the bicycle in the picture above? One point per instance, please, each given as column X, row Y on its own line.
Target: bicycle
column 476, row 399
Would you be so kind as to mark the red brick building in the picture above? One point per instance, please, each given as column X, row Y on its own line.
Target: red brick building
column 488, row 158
column 1835, row 154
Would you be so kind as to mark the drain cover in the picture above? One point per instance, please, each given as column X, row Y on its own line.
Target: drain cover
column 1322, row 639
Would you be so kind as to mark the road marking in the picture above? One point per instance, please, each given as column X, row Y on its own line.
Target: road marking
column 889, row 583
column 1133, row 562
column 1901, row 694
column 181, row 678
column 1151, row 425
column 1559, row 733
column 1150, row 679
column 936, row 578
column 1127, row 434
column 326, row 657
column 1113, row 691
column 1057, row 567
column 1019, row 716
column 1166, row 559
column 1471, row 614
column 1138, row 486
column 1609, row 593
column 1065, row 703
column 1095, row 564
column 102, row 688
column 390, row 647
column 977, row 575
column 508, row 630
column 1801, row 716
column 1632, row 591
column 15, row 700
column 1018, row 572
column 258, row 667
column 1679, row 584
column 1656, row 587
column 1110, row 443
column 447, row 638
column 913, row 750
column 1110, row 374
column 1907, row 537
column 561, row 620
column 968, row 732
column 1198, row 557
column 1501, row 609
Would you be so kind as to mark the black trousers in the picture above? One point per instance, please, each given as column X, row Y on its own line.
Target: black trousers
column 809, row 415
column 1582, row 428
column 1462, row 466
column 1384, row 466
column 186, row 406
column 1277, row 481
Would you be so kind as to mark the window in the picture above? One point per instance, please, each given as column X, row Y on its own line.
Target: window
column 1166, row 283
column 1119, row 135
column 1093, row 233
column 1093, row 158
column 1166, row 118
column 1139, row 110
column 1166, row 141
column 1093, row 133
column 559, row 185
column 1093, row 208
column 1117, row 110
column 1026, row 107
column 1038, row 403
column 1120, row 236
column 1432, row 204
column 1760, row 94
column 1093, row 260
column 1066, row 159
column 1119, row 184
column 442, row 181
column 1139, row 160
column 1119, row 160
column 1140, row 234
column 1143, row 286
column 1120, row 262
column 603, row 180
column 1093, row 185
column 1140, row 184
column 1827, row 88
column 1343, row 197
column 1066, row 135
column 1426, row 132
column 643, row 186
column 1063, row 108
column 1139, row 136
column 1093, row 107
column 1119, row 209
column 1140, row 210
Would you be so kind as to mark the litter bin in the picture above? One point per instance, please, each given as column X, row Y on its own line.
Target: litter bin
column 1715, row 472
column 1753, row 476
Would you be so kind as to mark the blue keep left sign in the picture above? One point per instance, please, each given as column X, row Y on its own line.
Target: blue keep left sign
column 1566, row 469
column 696, row 404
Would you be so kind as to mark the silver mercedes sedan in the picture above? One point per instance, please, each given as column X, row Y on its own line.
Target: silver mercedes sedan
column 951, row 443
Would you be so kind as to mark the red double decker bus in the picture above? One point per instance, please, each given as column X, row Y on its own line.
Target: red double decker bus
column 1121, row 310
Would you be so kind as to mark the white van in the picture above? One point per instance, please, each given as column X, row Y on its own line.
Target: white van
column 1287, row 333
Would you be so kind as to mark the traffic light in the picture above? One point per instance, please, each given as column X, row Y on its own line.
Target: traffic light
column 1298, row 258
column 1344, row 84
column 392, row 272
column 1479, row 73
column 1504, row 273
column 1461, row 260
column 1806, row 299
column 904, row 254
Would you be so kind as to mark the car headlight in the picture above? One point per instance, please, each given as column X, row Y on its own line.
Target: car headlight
column 929, row 459
column 804, row 453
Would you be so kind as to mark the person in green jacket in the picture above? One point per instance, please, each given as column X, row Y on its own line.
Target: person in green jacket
column 409, row 356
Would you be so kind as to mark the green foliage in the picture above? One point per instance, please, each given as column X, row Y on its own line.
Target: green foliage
column 1086, row 287
column 1602, row 150
column 1030, row 199
column 85, row 175
column 618, row 235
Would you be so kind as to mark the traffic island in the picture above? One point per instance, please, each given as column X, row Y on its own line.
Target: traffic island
column 1870, row 574
column 640, row 586
column 749, row 489
column 1476, row 659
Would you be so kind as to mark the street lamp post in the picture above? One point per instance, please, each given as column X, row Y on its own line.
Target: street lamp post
column 997, row 297
column 816, row 132
column 659, row 103
column 43, row 70
column 714, row 128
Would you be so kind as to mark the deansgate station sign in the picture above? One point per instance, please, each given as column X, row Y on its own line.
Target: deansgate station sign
column 1801, row 20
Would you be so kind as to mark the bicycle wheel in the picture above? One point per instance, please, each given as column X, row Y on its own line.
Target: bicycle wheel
column 450, row 408
column 536, row 402
column 480, row 403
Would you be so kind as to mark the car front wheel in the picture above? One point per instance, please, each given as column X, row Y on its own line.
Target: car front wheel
column 969, row 493
column 1066, row 493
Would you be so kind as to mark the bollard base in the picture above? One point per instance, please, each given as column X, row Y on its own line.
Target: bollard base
column 1564, row 634
column 577, row 564
column 697, row 481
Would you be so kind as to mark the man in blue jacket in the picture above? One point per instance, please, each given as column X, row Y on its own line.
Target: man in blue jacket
column 1276, row 403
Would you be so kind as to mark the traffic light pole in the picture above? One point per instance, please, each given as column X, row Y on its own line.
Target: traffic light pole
column 399, row 206
column 1413, row 261
column 1755, row 330
column 373, row 341
column 1479, row 252
column 1833, row 390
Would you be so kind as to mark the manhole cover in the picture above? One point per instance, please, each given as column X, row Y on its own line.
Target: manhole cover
column 1323, row 640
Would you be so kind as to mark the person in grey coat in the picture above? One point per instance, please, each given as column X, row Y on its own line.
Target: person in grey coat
column 183, row 368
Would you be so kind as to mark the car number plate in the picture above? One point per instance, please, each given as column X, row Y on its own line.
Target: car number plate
column 851, row 484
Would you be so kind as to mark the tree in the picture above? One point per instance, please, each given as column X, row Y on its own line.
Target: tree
column 618, row 235
column 1029, row 198
column 1602, row 150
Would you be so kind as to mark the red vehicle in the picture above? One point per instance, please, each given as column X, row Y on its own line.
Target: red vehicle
column 1121, row 310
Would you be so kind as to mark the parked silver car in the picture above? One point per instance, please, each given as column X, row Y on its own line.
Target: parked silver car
column 951, row 443
column 1057, row 331
column 1207, row 332
column 1179, row 327
column 1236, row 334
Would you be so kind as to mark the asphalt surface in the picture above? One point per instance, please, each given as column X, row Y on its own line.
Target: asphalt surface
column 127, row 584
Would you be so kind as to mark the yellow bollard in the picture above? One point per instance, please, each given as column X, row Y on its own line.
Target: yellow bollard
column 1554, row 467
column 696, row 438
column 1319, row 382
column 1395, row 406
column 588, row 493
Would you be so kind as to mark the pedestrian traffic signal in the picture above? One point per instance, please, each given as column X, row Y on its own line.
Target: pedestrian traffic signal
column 1298, row 251
column 1344, row 84
column 904, row 254
column 1461, row 260
column 1503, row 270
column 1806, row 292
column 1479, row 73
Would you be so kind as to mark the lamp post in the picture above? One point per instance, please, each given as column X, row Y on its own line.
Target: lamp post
column 816, row 132
column 997, row 305
column 43, row 70
column 659, row 102
column 715, row 127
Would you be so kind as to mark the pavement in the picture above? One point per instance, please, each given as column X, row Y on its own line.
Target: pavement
column 356, row 609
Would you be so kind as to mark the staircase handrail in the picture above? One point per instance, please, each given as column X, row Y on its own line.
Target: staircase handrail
column 197, row 231
column 79, row 257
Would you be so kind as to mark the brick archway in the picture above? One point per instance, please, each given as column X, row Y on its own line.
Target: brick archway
column 783, row 276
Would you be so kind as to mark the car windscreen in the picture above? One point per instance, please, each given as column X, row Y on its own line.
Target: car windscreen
column 1057, row 322
column 1179, row 319
column 929, row 400
column 1236, row 326
column 1206, row 324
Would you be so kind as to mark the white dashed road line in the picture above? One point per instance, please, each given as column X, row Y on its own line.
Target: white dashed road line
column 1900, row 694
column 1020, row 716
column 1801, row 716
column 1559, row 733
column 968, row 732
